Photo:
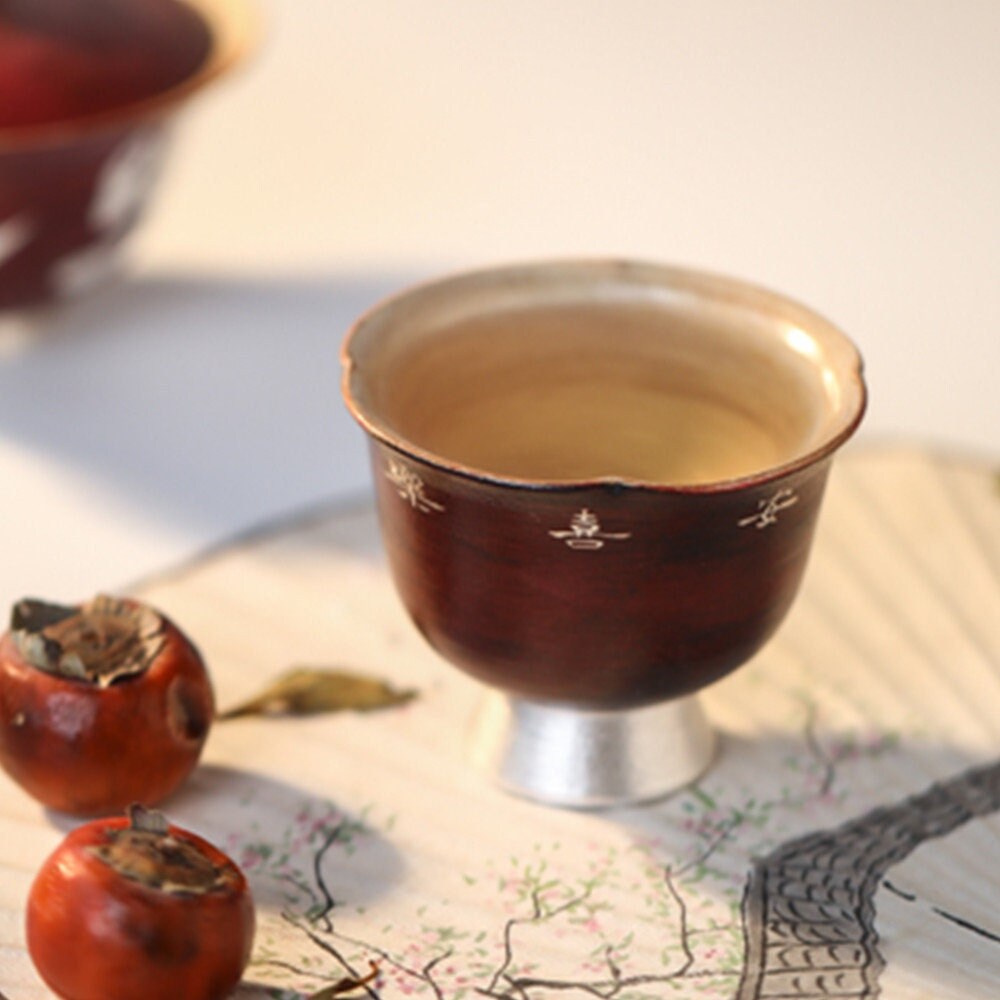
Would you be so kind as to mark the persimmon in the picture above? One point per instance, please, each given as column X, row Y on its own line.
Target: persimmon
column 139, row 909
column 101, row 704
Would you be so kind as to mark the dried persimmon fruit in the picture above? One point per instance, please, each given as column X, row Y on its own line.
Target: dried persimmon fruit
column 138, row 909
column 101, row 704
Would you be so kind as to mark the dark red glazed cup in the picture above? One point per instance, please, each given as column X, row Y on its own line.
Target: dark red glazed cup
column 598, row 481
column 87, row 93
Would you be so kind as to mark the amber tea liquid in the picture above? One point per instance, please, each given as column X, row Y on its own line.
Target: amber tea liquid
column 617, row 390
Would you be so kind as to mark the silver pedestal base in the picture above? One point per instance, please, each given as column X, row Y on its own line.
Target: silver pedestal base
column 588, row 759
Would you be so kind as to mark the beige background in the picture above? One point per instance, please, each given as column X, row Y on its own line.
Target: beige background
column 845, row 152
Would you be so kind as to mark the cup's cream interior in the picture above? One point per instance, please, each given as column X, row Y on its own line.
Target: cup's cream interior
column 654, row 388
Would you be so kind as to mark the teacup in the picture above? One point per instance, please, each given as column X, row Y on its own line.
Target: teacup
column 597, row 484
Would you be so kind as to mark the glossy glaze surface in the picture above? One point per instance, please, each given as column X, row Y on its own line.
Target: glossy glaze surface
column 654, row 596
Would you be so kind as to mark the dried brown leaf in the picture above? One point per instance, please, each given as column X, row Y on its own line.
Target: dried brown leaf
column 315, row 690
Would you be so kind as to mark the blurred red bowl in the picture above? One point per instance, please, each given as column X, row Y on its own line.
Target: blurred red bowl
column 87, row 93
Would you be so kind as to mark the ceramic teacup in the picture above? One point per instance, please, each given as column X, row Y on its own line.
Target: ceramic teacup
column 597, row 484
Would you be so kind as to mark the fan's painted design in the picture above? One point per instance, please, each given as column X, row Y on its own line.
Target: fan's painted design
column 809, row 913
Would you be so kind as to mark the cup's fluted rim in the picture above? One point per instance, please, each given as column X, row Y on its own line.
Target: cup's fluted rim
column 234, row 27
column 722, row 288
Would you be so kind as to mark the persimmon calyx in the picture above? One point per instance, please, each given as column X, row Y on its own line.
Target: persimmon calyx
column 147, row 852
column 99, row 642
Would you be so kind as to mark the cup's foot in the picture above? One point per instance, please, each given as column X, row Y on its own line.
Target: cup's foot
column 590, row 759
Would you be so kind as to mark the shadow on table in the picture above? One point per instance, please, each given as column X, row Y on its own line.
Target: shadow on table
column 207, row 403
column 314, row 870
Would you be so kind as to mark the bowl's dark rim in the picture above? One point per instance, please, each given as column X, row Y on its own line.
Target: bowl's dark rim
column 234, row 26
